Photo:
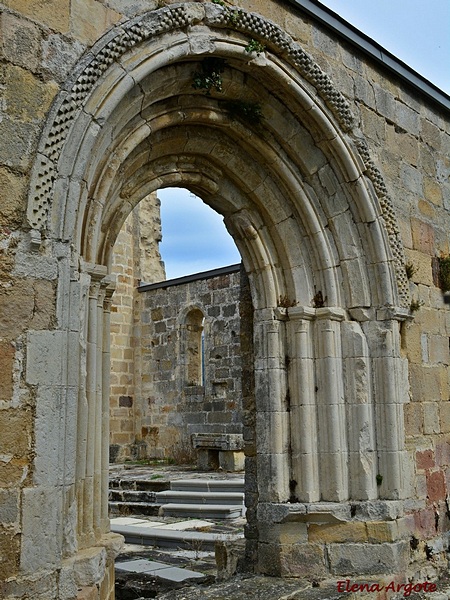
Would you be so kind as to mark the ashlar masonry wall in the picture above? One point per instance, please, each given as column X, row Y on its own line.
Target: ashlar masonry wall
column 346, row 173
column 136, row 258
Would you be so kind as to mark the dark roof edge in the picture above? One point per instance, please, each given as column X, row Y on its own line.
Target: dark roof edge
column 189, row 278
column 345, row 30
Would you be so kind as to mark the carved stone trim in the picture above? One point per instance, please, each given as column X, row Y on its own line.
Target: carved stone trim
column 149, row 25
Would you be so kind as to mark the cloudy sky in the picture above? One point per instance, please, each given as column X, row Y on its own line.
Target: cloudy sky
column 416, row 31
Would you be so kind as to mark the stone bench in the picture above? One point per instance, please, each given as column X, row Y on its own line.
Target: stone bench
column 219, row 451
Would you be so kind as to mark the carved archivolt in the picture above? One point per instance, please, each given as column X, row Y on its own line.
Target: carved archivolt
column 114, row 44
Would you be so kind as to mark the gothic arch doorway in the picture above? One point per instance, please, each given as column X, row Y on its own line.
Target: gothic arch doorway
column 271, row 146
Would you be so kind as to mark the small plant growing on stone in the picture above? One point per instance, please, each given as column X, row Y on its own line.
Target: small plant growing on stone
column 196, row 546
column 218, row 2
column 210, row 77
column 286, row 302
column 410, row 270
column 379, row 479
column 249, row 112
column 319, row 301
column 444, row 273
column 414, row 543
column 254, row 46
column 415, row 305
column 233, row 16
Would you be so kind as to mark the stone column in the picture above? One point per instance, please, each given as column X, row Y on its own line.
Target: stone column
column 391, row 386
column 82, row 411
column 360, row 412
column 332, row 425
column 90, row 409
column 303, row 408
column 272, row 423
column 106, row 369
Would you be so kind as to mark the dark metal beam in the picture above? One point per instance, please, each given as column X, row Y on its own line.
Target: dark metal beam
column 189, row 278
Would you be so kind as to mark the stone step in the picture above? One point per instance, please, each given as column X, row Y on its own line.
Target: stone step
column 117, row 495
column 133, row 508
column 199, row 498
column 169, row 538
column 208, row 485
column 145, row 485
column 203, row 511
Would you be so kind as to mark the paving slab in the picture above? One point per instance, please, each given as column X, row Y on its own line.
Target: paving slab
column 140, row 566
column 130, row 521
column 150, row 567
column 156, row 536
column 208, row 485
column 209, row 511
column 177, row 574
column 184, row 525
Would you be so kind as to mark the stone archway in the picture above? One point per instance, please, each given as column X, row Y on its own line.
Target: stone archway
column 317, row 233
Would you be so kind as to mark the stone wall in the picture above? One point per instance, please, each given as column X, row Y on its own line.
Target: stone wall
column 368, row 133
column 175, row 401
column 136, row 258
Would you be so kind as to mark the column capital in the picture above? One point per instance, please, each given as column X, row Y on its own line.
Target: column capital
column 301, row 313
column 333, row 313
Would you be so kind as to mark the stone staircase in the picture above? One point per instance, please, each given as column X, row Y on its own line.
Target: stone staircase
column 200, row 499
column 184, row 498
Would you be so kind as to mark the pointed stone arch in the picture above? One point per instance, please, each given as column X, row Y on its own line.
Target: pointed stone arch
column 312, row 218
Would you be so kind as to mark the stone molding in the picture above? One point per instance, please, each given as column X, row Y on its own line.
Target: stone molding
column 121, row 38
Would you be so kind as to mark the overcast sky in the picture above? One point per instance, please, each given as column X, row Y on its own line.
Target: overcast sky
column 416, row 31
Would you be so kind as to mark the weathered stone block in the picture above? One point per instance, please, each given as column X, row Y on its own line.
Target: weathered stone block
column 46, row 351
column 439, row 349
column 429, row 383
column 18, row 141
column 20, row 41
column 90, row 19
column 432, row 191
column 89, row 566
column 41, row 518
column 382, row 531
column 303, row 560
column 425, row 459
column 12, row 205
column 444, row 417
column 283, row 533
column 59, row 55
column 16, row 427
column 407, row 118
column 423, row 237
column 88, row 593
column 368, row 559
column 54, row 13
column 7, row 354
column 27, row 98
column 9, row 552
column 9, row 507
column 414, row 419
column 436, row 487
column 431, row 417
column 337, row 533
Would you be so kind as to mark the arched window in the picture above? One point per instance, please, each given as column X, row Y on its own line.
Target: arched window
column 194, row 347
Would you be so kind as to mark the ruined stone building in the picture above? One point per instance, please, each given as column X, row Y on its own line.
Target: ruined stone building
column 175, row 350
column 329, row 161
